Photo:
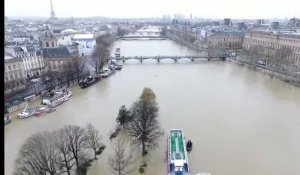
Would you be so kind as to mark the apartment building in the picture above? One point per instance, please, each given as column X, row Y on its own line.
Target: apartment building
column 32, row 59
column 14, row 74
column 224, row 39
column 267, row 40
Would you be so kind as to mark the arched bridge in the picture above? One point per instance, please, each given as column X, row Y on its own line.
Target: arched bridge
column 175, row 58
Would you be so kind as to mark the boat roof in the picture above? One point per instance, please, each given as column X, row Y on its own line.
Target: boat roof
column 177, row 146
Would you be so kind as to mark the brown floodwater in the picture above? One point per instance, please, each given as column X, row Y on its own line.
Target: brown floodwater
column 240, row 121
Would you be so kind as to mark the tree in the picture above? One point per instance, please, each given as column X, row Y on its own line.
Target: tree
column 254, row 52
column 93, row 138
column 281, row 60
column 121, row 32
column 75, row 137
column 144, row 126
column 164, row 31
column 101, row 51
column 66, row 158
column 38, row 156
column 147, row 95
column 123, row 116
column 120, row 162
column 78, row 64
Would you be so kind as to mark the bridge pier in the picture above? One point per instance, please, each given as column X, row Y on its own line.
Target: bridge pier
column 175, row 59
column 158, row 59
column 141, row 60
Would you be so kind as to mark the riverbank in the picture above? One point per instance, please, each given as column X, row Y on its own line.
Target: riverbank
column 293, row 80
column 287, row 78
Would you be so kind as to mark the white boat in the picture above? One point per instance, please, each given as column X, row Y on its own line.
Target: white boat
column 26, row 112
column 177, row 154
column 107, row 73
column 58, row 99
column 44, row 109
column 56, row 102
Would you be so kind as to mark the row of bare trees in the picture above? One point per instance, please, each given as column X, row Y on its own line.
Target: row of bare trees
column 71, row 70
column 277, row 59
column 101, row 51
column 59, row 152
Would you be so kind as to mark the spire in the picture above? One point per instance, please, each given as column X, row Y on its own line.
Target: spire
column 52, row 14
column 51, row 6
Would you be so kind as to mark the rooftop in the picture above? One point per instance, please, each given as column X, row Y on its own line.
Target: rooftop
column 56, row 52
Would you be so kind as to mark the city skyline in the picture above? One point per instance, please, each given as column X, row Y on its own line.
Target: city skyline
column 217, row 9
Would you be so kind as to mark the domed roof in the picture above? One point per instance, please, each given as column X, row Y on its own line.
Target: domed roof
column 48, row 33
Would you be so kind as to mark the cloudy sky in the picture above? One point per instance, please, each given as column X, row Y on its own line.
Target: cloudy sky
column 152, row 8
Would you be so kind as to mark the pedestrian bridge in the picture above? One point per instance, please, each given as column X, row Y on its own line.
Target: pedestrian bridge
column 175, row 58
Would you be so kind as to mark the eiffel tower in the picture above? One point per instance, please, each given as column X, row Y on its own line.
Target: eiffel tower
column 53, row 17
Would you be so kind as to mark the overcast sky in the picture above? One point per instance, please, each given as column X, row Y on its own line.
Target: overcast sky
column 237, row 9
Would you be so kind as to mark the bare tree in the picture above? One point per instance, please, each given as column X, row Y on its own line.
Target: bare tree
column 254, row 52
column 281, row 60
column 93, row 138
column 120, row 162
column 38, row 156
column 66, row 158
column 101, row 51
column 144, row 126
column 121, row 32
column 78, row 64
column 75, row 137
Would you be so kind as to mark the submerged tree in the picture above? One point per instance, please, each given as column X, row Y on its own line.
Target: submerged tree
column 123, row 117
column 121, row 161
column 58, row 152
column 38, row 156
column 75, row 138
column 66, row 156
column 93, row 138
column 144, row 125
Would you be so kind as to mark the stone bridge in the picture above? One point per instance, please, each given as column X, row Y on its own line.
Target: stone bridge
column 175, row 58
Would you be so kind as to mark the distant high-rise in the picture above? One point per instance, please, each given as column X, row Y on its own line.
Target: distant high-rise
column 52, row 15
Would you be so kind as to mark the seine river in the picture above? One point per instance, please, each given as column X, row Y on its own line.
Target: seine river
column 241, row 122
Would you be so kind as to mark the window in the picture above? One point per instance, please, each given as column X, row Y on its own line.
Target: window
column 52, row 44
column 47, row 44
column 9, row 68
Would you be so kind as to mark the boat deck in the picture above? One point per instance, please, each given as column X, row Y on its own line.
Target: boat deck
column 177, row 155
column 177, row 145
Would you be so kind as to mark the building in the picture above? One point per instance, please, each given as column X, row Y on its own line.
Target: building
column 275, row 25
column 241, row 26
column 293, row 23
column 32, row 58
column 14, row 74
column 224, row 39
column 87, row 43
column 57, row 59
column 48, row 39
column 227, row 21
column 267, row 40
